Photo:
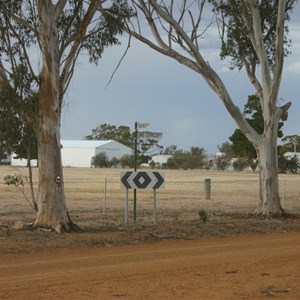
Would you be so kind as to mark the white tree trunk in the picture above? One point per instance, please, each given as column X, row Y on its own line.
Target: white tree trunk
column 269, row 200
column 52, row 210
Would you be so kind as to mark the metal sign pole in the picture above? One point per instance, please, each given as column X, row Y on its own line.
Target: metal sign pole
column 126, row 207
column 154, row 206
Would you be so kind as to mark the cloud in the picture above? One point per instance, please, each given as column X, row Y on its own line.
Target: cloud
column 293, row 68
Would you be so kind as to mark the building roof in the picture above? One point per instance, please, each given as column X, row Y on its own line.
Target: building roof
column 83, row 143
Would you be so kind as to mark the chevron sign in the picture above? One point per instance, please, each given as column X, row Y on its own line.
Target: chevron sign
column 142, row 180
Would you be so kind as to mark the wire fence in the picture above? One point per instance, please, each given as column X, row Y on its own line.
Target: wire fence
column 100, row 190
column 187, row 194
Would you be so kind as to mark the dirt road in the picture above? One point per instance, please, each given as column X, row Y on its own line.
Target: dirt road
column 243, row 267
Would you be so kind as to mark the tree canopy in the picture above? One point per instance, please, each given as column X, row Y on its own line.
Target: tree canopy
column 241, row 146
column 121, row 134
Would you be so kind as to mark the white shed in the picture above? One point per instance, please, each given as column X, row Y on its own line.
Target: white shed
column 160, row 159
column 78, row 153
column 21, row 162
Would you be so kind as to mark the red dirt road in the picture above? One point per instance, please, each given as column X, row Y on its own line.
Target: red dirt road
column 243, row 267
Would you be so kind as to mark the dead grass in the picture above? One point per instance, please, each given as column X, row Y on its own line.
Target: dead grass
column 229, row 211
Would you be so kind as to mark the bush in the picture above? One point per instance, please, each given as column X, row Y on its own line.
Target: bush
column 288, row 164
column 240, row 164
column 127, row 161
column 100, row 160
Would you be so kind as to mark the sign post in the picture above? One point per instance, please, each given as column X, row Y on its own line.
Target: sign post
column 126, row 207
column 144, row 135
column 154, row 206
column 135, row 167
column 142, row 180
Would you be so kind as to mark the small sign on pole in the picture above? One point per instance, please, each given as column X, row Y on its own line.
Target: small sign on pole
column 143, row 125
column 149, row 134
column 142, row 180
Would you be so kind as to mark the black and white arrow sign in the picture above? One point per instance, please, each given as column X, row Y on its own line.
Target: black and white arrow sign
column 142, row 180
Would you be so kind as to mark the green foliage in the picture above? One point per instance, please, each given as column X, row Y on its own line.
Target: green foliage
column 288, row 164
column 241, row 147
column 291, row 144
column 16, row 135
column 114, row 162
column 100, row 160
column 127, row 161
column 170, row 150
column 121, row 134
column 224, row 157
column 193, row 159
column 203, row 214
column 222, row 162
column 16, row 180
column 236, row 41
column 152, row 164
column 240, row 164
column 106, row 29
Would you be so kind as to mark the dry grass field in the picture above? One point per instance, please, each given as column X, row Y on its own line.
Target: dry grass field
column 233, row 255
column 96, row 202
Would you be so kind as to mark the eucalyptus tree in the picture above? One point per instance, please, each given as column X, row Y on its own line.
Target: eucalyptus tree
column 45, row 38
column 254, row 34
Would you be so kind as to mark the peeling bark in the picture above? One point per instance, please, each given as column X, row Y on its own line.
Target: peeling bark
column 52, row 209
column 269, row 200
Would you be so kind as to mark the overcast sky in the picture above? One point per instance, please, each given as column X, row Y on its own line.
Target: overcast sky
column 151, row 88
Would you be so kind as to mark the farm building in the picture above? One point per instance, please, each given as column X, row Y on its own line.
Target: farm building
column 78, row 153
column 160, row 159
column 21, row 162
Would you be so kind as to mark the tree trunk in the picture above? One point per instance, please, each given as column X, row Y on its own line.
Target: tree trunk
column 52, row 209
column 269, row 202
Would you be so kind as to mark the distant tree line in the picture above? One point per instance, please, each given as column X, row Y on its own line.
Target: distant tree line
column 239, row 153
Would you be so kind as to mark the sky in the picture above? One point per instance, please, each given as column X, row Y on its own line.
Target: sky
column 151, row 88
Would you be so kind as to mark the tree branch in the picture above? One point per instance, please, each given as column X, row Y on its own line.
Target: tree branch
column 279, row 50
column 194, row 62
column 259, row 47
column 66, row 75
